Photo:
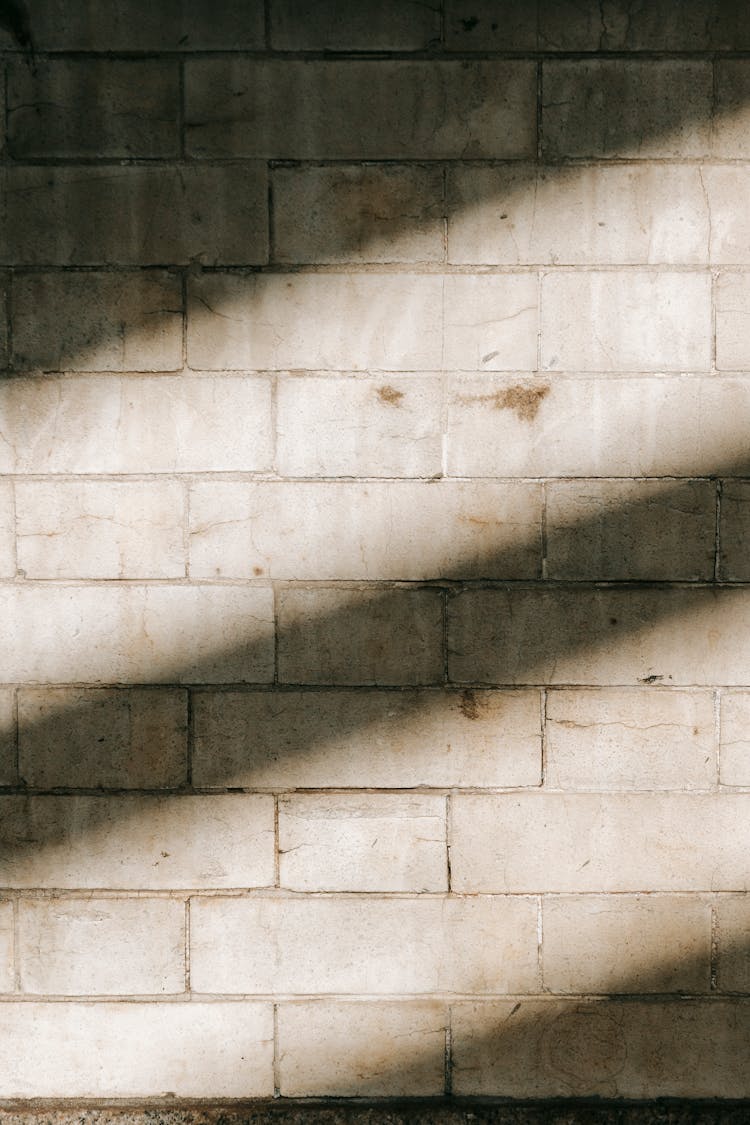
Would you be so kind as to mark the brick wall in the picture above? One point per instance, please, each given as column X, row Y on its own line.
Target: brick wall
column 375, row 689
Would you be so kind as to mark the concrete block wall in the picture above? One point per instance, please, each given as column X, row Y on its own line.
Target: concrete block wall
column 374, row 480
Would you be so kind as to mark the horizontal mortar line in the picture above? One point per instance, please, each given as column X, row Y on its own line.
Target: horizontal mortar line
column 281, row 895
column 545, row 162
column 453, row 585
column 39, row 375
column 438, row 268
column 364, row 686
column 539, row 53
column 197, row 476
column 405, row 999
column 291, row 791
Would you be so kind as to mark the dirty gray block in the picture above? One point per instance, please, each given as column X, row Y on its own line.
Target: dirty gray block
column 658, row 25
column 330, row 25
column 93, row 108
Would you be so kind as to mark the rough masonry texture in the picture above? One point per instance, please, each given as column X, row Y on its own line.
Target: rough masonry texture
column 374, row 509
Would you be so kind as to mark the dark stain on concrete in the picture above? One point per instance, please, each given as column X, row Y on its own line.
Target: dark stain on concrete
column 390, row 395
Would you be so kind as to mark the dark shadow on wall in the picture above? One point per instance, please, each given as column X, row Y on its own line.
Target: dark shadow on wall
column 564, row 633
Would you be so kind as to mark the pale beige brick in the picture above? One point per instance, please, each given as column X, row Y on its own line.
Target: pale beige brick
column 137, row 215
column 626, row 108
column 727, row 190
column 491, row 323
column 115, row 947
column 359, row 426
column 7, row 948
column 7, row 531
column 93, row 107
column 624, row 943
column 137, row 843
column 732, row 944
column 464, row 945
column 481, row 25
column 102, row 738
column 659, row 530
column 678, row 636
column 101, row 529
column 575, row 427
column 393, row 530
column 370, row 636
column 732, row 321
column 733, row 530
column 98, row 322
column 535, row 842
column 603, row 321
column 336, row 25
column 380, row 1049
column 619, row 214
column 734, row 756
column 8, row 771
column 108, row 424
column 635, row 739
column 660, row 25
column 119, row 1050
column 363, row 843
column 653, row 1049
column 358, row 213
column 730, row 136
column 328, row 321
column 137, row 634
column 139, row 25
column 361, row 109
column 383, row 739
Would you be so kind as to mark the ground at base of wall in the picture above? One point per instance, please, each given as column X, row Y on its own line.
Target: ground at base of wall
column 417, row 1112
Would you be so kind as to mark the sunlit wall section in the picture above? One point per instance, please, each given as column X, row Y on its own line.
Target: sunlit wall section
column 374, row 485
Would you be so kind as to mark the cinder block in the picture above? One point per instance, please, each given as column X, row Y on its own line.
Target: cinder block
column 613, row 637
column 633, row 739
column 358, row 213
column 137, row 843
column 491, row 323
column 726, row 185
column 642, row 1049
column 137, row 215
column 382, row 739
column 137, row 425
column 321, row 321
column 627, row 944
column 573, row 427
column 335, row 25
column 382, row 1049
column 7, row 948
column 693, row 25
column 604, row 321
column 381, row 427
column 8, row 770
column 487, row 25
column 120, row 1050
column 626, row 108
column 734, row 754
column 733, row 530
column 83, row 107
column 518, row 214
column 732, row 295
column 729, row 136
column 7, row 530
column 581, row 843
column 101, row 529
column 389, row 530
column 130, row 321
column 102, row 738
column 138, row 25
column 107, row 947
column 658, row 530
column 137, row 634
column 360, row 109
column 732, row 953
column 366, row 636
column 363, row 843
column 462, row 945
